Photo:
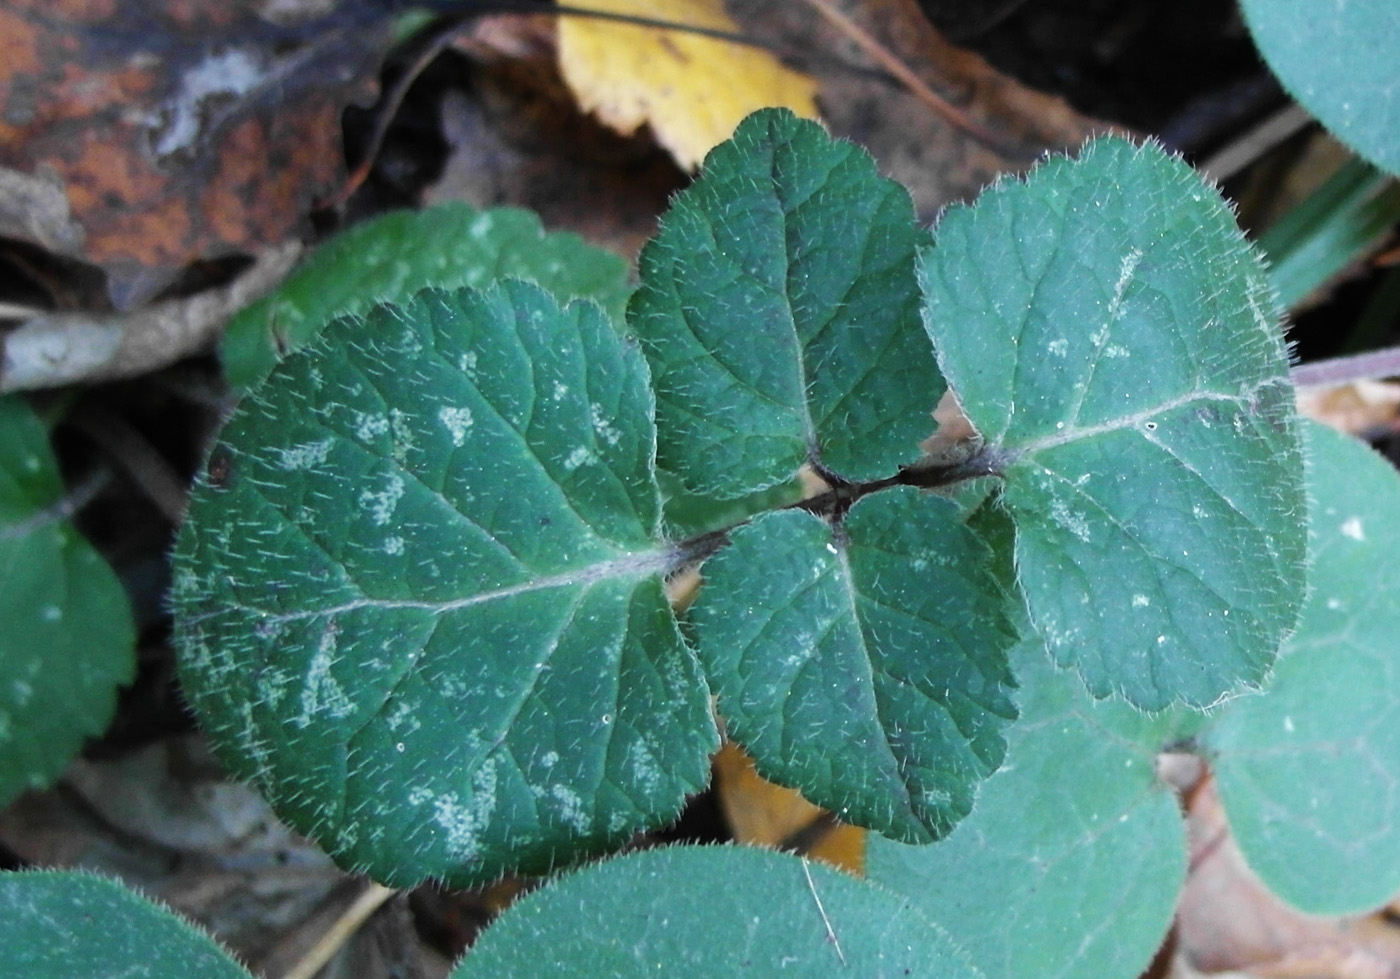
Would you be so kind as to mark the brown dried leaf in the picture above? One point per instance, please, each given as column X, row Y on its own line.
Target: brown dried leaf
column 176, row 131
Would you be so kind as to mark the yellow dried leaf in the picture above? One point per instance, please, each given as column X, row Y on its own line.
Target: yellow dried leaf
column 763, row 814
column 693, row 90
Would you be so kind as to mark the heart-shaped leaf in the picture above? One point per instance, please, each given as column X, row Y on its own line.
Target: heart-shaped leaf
column 1112, row 336
column 418, row 592
column 865, row 667
column 779, row 311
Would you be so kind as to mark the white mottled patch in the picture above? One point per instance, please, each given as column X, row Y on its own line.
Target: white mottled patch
column 393, row 546
column 1351, row 527
column 560, row 389
column 31, row 463
column 467, row 364
column 1141, row 601
column 381, row 505
column 603, row 427
column 1059, row 347
column 481, row 227
column 571, row 808
column 51, row 613
column 1126, row 268
column 402, row 434
column 581, row 456
column 457, row 421
column 321, row 693
column 549, row 759
column 1068, row 519
column 369, row 427
column 304, row 455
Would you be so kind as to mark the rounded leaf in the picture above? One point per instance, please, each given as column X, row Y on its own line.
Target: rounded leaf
column 779, row 311
column 1110, row 333
column 701, row 912
column 417, row 594
column 391, row 257
column 61, row 925
column 1072, row 860
column 1308, row 770
column 1338, row 60
column 866, row 668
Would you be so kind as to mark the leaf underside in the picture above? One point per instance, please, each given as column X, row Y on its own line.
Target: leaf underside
column 699, row 912
column 418, row 592
column 1307, row 771
column 779, row 312
column 1110, row 333
column 866, row 669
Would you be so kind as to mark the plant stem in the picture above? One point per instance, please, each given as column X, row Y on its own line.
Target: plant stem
column 1344, row 370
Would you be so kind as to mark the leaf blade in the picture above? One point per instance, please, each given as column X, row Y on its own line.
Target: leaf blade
column 1298, row 765
column 778, row 309
column 421, row 667
column 1040, row 300
column 779, row 914
column 867, row 671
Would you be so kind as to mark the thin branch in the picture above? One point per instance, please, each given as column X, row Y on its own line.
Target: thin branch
column 902, row 72
column 341, row 931
column 61, row 509
column 1373, row 366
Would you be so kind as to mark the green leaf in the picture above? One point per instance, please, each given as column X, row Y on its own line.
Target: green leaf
column 1307, row 770
column 60, row 924
column 1338, row 60
column 67, row 642
column 701, row 912
column 1072, row 859
column 391, row 257
column 865, row 668
column 779, row 311
column 418, row 592
column 1112, row 336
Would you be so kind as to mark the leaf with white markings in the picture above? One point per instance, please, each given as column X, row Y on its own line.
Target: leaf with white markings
column 418, row 592
column 779, row 311
column 866, row 668
column 1113, row 338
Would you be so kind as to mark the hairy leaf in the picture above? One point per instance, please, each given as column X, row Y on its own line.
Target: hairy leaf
column 1307, row 771
column 700, row 912
column 866, row 668
column 67, row 642
column 1072, row 859
column 391, row 257
column 61, row 924
column 1338, row 60
column 779, row 311
column 1112, row 336
column 418, row 592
